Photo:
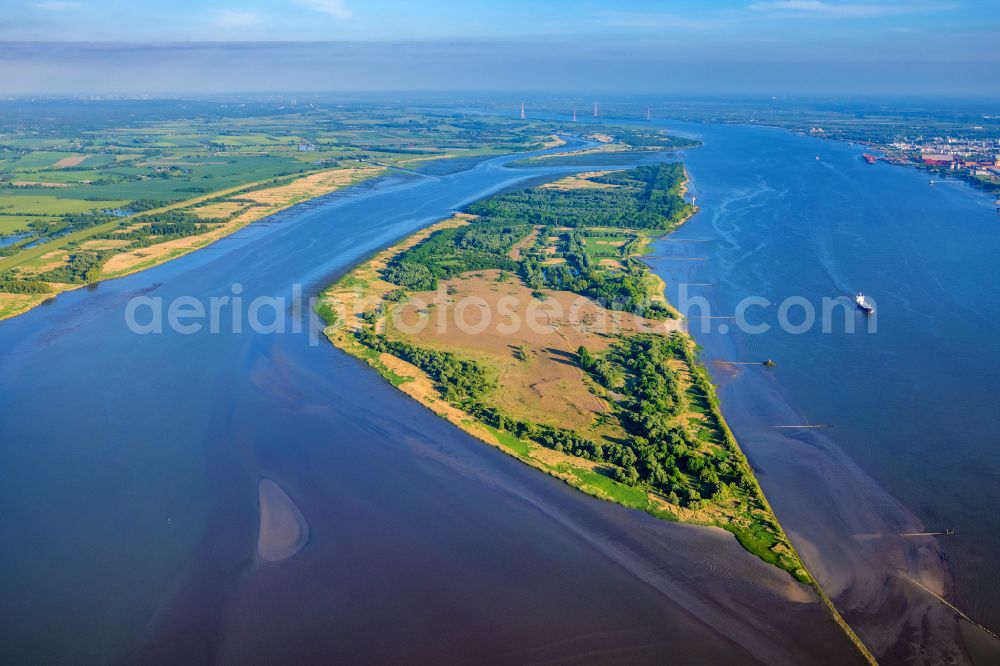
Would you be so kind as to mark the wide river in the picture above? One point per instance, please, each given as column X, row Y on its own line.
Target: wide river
column 909, row 441
column 129, row 508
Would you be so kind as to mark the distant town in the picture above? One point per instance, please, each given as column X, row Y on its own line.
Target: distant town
column 977, row 160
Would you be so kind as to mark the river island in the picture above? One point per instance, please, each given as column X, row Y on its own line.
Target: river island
column 529, row 321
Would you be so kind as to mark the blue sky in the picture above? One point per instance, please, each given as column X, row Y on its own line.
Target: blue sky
column 903, row 46
column 321, row 20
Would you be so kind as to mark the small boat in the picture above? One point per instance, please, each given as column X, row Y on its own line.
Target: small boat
column 866, row 306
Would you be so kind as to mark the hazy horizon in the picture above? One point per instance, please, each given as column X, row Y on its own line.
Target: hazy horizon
column 810, row 47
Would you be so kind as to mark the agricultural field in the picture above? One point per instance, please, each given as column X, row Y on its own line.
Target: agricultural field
column 88, row 191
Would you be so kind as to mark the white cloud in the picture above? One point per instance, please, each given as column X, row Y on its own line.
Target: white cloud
column 335, row 8
column 54, row 6
column 819, row 8
column 236, row 18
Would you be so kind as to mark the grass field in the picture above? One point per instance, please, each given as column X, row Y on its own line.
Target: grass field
column 531, row 361
column 13, row 224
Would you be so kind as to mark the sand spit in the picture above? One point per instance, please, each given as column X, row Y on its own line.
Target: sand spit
column 283, row 528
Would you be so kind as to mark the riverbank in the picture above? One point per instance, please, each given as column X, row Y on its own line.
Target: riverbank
column 223, row 213
column 550, row 392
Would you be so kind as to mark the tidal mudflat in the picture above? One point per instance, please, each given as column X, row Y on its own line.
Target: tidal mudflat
column 283, row 528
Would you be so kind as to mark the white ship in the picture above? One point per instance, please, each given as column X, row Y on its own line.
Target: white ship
column 864, row 303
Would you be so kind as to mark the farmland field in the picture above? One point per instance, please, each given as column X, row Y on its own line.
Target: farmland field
column 81, row 189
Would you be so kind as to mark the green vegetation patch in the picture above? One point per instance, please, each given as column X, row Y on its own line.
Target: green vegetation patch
column 449, row 252
column 608, row 488
column 518, row 446
column 11, row 284
column 648, row 199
